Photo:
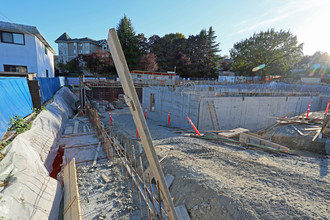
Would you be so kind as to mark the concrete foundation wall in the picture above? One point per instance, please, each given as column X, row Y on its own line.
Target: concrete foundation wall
column 179, row 105
column 253, row 113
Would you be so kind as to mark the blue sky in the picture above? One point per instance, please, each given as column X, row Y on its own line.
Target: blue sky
column 232, row 20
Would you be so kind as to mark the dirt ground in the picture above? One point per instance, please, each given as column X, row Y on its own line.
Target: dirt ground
column 228, row 181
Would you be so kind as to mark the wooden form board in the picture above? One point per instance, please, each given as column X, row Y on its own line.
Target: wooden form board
column 256, row 139
column 76, row 127
column 139, row 120
column 34, row 89
column 233, row 133
column 71, row 206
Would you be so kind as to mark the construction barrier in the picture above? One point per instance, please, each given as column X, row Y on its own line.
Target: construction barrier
column 110, row 117
column 309, row 108
column 48, row 86
column 192, row 124
column 15, row 100
column 327, row 108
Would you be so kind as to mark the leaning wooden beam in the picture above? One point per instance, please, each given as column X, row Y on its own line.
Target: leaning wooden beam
column 140, row 122
column 255, row 139
column 72, row 209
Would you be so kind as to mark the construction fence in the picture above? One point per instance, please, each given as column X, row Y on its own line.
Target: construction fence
column 18, row 96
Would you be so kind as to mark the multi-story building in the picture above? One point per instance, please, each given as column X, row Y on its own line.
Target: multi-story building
column 23, row 49
column 70, row 48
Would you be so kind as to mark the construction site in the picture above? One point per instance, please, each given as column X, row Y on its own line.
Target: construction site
column 128, row 149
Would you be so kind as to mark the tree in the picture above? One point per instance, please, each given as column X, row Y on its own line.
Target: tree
column 213, row 50
column 148, row 62
column 279, row 50
column 142, row 44
column 128, row 41
column 99, row 62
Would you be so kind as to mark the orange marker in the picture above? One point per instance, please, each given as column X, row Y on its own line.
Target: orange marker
column 192, row 124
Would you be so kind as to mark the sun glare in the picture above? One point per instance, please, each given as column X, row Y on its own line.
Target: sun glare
column 315, row 33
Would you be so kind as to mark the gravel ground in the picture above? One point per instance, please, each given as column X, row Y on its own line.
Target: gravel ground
column 101, row 200
column 228, row 181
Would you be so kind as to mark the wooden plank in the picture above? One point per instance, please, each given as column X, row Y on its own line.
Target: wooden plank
column 80, row 134
column 34, row 89
column 233, row 133
column 97, row 153
column 76, row 127
column 81, row 145
column 255, row 139
column 208, row 104
column 297, row 130
column 140, row 122
column 215, row 115
column 68, row 130
column 182, row 212
column 105, row 178
column 72, row 209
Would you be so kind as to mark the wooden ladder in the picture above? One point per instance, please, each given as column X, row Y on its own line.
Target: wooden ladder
column 213, row 113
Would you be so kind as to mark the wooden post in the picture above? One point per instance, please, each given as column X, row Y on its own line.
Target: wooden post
column 140, row 122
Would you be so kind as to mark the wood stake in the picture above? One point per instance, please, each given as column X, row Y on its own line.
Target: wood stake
column 140, row 122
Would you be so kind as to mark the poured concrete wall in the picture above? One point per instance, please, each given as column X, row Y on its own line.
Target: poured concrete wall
column 253, row 113
column 179, row 105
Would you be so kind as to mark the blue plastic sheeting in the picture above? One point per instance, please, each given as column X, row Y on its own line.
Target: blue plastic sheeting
column 15, row 99
column 48, row 86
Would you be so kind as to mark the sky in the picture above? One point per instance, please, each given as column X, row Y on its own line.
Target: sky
column 232, row 20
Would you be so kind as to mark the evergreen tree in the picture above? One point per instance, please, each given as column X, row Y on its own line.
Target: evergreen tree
column 129, row 42
column 213, row 47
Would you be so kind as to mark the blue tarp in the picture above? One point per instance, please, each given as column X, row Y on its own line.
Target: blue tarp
column 48, row 86
column 15, row 99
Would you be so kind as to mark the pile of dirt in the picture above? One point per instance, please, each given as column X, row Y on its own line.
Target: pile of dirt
column 228, row 181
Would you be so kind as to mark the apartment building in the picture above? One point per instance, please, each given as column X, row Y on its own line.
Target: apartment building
column 69, row 48
column 23, row 49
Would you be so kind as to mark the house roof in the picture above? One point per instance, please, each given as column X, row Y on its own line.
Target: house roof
column 63, row 37
column 66, row 38
column 26, row 29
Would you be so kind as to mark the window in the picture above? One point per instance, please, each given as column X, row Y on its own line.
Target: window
column 86, row 51
column 104, row 48
column 74, row 51
column 47, row 73
column 60, row 44
column 80, row 51
column 14, row 68
column 46, row 52
column 13, row 38
column 86, row 44
column 74, row 44
column 152, row 102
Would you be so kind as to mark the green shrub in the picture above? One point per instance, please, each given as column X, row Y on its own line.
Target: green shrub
column 19, row 124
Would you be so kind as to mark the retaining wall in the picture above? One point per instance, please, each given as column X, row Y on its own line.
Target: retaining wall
column 253, row 113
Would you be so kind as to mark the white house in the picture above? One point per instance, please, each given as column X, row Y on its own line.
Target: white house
column 24, row 49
